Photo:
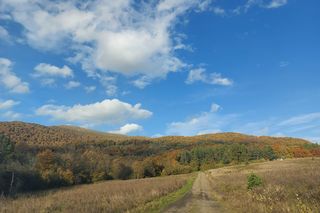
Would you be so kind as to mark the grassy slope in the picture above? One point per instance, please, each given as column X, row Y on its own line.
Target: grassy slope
column 112, row 196
column 288, row 186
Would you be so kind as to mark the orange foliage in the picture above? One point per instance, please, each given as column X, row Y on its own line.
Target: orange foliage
column 299, row 152
column 315, row 152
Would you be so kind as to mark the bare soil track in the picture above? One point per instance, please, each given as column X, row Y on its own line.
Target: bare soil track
column 199, row 199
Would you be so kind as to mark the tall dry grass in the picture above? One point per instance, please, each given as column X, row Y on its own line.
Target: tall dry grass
column 288, row 186
column 110, row 196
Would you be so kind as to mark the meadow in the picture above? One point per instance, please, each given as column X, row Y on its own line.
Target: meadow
column 291, row 185
column 108, row 196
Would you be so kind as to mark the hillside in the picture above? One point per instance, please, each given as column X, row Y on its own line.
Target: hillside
column 35, row 134
column 40, row 157
column 230, row 137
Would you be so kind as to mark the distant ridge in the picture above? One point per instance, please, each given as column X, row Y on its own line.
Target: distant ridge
column 233, row 137
column 35, row 134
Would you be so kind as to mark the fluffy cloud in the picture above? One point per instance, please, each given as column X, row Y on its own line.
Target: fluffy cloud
column 48, row 70
column 200, row 74
column 9, row 79
column 8, row 104
column 127, row 129
column 72, row 84
column 112, row 36
column 110, row 112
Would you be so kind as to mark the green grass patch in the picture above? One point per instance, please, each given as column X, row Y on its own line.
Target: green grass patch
column 161, row 203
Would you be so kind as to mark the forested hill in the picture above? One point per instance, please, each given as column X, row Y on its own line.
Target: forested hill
column 230, row 137
column 40, row 157
column 35, row 134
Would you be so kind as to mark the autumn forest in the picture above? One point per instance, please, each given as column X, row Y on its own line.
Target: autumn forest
column 69, row 156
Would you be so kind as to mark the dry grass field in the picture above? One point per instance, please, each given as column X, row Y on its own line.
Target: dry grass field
column 288, row 186
column 110, row 196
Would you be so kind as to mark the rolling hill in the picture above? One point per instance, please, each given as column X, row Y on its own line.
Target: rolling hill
column 41, row 157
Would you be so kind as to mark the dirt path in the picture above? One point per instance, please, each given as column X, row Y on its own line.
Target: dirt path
column 198, row 200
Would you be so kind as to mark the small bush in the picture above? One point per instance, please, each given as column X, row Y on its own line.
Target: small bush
column 254, row 181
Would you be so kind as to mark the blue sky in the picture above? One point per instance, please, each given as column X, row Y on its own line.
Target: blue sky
column 170, row 67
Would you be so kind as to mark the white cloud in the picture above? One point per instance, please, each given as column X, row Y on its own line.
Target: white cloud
column 158, row 135
column 90, row 89
column 141, row 82
column 128, row 129
column 301, row 119
column 204, row 5
column 111, row 90
column 72, row 84
column 48, row 82
column 106, row 112
column 48, row 70
column 200, row 74
column 204, row 123
column 109, row 83
column 208, row 131
column 302, row 126
column 4, row 35
column 8, row 104
column 276, row 3
column 11, row 116
column 218, row 11
column 259, row 128
column 9, row 79
column 216, row 78
column 271, row 4
column 215, row 107
column 111, row 36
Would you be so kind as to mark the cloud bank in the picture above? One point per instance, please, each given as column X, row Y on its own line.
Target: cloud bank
column 104, row 35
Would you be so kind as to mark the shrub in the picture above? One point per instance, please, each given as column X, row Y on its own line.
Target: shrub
column 254, row 181
column 121, row 171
